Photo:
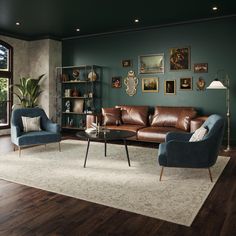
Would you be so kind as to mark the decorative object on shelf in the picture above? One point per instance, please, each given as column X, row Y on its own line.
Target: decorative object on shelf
column 75, row 92
column 90, row 95
column 67, row 92
column 78, row 106
column 186, row 84
column 200, row 68
column 150, row 85
column 92, row 76
column 75, row 74
column 126, row 63
column 116, row 82
column 217, row 84
column 201, row 84
column 151, row 64
column 180, row 58
column 64, row 78
column 67, row 105
column 131, row 82
column 170, row 87
column 71, row 123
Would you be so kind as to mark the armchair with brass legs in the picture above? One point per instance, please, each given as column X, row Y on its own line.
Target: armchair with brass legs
column 177, row 151
column 50, row 132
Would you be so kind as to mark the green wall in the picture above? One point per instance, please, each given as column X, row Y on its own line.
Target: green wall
column 213, row 42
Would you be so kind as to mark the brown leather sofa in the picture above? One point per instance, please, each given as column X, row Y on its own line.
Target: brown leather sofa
column 150, row 127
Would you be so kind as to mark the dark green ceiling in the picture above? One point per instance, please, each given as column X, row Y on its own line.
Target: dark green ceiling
column 60, row 18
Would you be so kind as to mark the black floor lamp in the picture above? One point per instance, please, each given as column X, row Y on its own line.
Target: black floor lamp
column 217, row 84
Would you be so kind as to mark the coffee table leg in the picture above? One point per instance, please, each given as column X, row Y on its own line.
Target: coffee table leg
column 105, row 143
column 127, row 153
column 86, row 155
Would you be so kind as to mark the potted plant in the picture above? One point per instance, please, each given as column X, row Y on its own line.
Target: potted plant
column 29, row 91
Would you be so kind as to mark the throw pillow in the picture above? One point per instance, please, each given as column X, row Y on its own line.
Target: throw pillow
column 198, row 134
column 111, row 116
column 31, row 123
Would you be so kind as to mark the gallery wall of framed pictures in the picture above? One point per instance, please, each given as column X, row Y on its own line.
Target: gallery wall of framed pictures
column 151, row 71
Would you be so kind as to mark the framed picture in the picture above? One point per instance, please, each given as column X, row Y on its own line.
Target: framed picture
column 151, row 64
column 150, row 85
column 170, row 87
column 186, row 84
column 180, row 58
column 200, row 68
column 126, row 63
column 116, row 82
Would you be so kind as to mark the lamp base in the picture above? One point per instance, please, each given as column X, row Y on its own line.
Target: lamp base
column 228, row 149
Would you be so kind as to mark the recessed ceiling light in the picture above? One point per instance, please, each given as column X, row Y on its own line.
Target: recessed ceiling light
column 215, row 8
column 136, row 20
column 17, row 23
column 77, row 29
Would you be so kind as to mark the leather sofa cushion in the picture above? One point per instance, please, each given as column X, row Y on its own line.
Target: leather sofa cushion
column 111, row 116
column 177, row 117
column 155, row 134
column 135, row 115
column 197, row 122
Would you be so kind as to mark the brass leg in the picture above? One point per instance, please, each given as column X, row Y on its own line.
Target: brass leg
column 162, row 168
column 210, row 174
column 14, row 147
column 19, row 151
column 59, row 146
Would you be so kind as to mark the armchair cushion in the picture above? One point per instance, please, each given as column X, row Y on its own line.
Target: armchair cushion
column 31, row 123
column 198, row 134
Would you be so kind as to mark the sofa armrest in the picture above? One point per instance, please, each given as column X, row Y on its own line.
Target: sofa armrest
column 52, row 127
column 178, row 136
column 197, row 122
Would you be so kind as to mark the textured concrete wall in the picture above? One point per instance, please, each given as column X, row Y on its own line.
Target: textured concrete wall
column 33, row 58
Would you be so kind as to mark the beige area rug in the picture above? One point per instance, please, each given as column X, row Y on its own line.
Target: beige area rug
column 109, row 180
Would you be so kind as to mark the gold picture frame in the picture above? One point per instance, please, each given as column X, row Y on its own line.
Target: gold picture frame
column 170, row 87
column 180, row 59
column 186, row 83
column 151, row 64
column 150, row 85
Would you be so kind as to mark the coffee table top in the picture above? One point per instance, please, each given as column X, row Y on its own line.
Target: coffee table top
column 108, row 135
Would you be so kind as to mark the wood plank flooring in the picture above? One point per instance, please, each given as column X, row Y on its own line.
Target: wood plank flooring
column 29, row 211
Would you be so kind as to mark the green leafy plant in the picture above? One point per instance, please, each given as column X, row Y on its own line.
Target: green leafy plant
column 29, row 91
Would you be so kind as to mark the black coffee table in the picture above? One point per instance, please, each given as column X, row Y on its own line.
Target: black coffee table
column 105, row 136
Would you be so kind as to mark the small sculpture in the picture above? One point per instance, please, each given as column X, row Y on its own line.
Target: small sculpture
column 67, row 105
column 131, row 83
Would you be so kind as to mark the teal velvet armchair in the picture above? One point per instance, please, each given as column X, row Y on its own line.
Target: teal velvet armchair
column 177, row 151
column 50, row 132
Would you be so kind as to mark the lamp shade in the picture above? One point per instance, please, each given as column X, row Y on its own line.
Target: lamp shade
column 216, row 84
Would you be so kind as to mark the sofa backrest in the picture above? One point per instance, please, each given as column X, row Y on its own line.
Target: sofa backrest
column 29, row 112
column 135, row 115
column 178, row 117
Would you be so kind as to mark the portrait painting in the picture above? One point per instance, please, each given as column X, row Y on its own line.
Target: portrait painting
column 186, row 84
column 180, row 58
column 150, row 85
column 170, row 87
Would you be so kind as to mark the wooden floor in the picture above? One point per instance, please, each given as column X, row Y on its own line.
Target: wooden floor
column 30, row 211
